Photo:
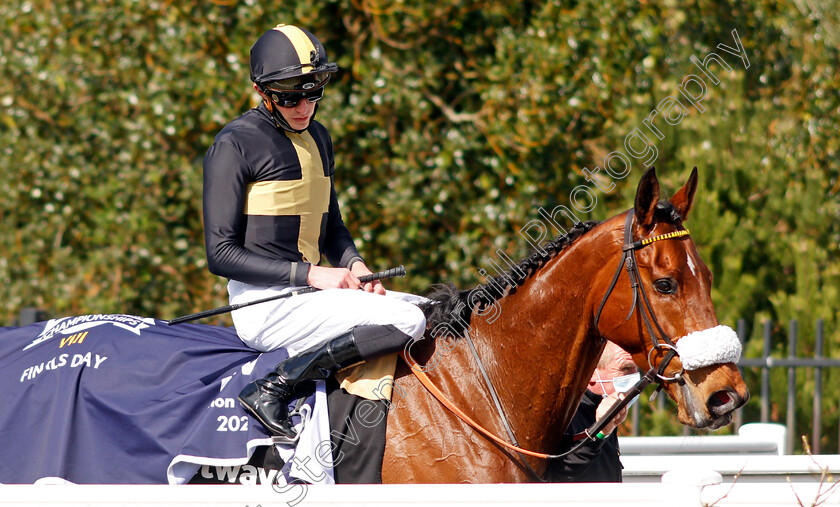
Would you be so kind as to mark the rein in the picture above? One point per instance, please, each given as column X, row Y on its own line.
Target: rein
column 424, row 379
column 654, row 374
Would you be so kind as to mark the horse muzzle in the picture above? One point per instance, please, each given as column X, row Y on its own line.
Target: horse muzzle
column 710, row 396
column 714, row 387
column 722, row 404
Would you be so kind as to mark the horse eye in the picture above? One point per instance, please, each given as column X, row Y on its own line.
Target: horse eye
column 665, row 286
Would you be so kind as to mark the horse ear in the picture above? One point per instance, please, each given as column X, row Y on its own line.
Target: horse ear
column 647, row 196
column 685, row 196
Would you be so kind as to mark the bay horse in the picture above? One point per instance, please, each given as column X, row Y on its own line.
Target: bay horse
column 538, row 335
column 129, row 399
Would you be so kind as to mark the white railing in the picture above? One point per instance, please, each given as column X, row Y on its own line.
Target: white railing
column 679, row 492
column 756, row 454
column 686, row 471
column 748, row 468
column 756, row 438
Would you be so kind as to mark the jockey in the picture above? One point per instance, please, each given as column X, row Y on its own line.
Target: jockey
column 271, row 218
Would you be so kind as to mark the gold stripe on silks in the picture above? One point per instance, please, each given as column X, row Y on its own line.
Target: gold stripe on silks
column 300, row 42
column 372, row 380
column 308, row 197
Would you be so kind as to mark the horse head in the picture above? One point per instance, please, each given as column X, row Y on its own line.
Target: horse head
column 658, row 307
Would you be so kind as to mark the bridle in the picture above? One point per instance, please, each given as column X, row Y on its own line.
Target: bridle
column 629, row 263
column 654, row 374
column 662, row 341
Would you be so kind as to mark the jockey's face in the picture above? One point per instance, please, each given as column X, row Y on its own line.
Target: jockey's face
column 300, row 115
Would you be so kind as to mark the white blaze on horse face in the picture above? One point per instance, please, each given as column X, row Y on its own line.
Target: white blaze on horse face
column 691, row 266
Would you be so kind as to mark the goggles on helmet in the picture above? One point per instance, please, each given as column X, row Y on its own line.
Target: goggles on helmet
column 303, row 82
column 292, row 99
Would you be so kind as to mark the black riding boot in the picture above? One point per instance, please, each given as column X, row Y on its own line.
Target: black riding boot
column 267, row 399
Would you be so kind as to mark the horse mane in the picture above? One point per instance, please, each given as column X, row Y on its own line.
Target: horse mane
column 450, row 305
column 447, row 304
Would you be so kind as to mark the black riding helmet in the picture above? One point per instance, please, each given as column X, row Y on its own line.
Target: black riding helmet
column 288, row 61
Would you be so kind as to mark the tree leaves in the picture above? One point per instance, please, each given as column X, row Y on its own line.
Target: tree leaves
column 453, row 123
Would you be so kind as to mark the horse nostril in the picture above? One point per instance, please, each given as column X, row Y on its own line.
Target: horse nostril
column 723, row 402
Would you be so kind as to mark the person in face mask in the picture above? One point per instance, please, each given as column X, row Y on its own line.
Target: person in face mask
column 598, row 460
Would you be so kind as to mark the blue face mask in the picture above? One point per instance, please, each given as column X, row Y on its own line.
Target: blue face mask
column 624, row 383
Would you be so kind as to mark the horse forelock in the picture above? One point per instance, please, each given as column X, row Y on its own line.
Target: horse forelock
column 449, row 305
column 666, row 212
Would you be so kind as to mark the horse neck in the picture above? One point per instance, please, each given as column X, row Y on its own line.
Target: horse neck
column 542, row 348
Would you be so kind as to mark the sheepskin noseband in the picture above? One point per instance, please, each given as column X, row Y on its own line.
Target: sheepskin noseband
column 716, row 345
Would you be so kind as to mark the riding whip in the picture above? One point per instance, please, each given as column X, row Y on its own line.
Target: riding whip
column 390, row 273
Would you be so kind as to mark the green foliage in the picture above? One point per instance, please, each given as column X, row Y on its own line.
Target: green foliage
column 453, row 123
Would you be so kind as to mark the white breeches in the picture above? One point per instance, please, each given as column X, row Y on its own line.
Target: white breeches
column 303, row 321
